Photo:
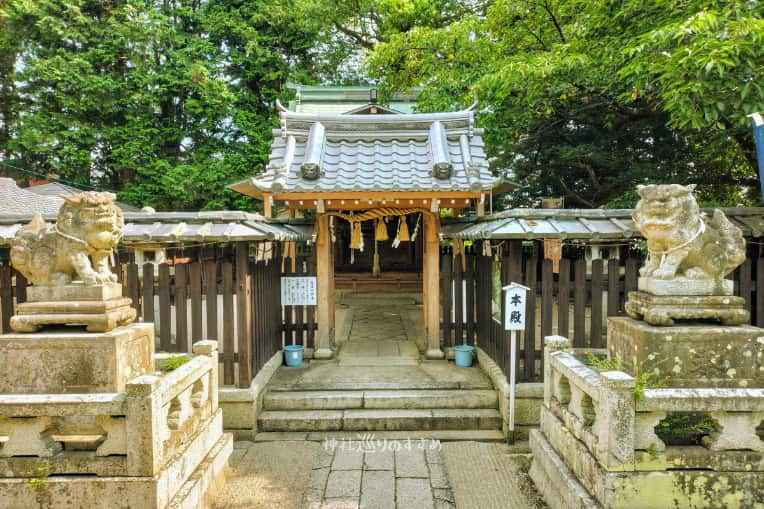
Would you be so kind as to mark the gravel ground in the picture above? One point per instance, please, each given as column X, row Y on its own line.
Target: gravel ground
column 487, row 476
column 268, row 475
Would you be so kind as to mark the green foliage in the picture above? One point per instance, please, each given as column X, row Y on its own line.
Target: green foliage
column 174, row 362
column 166, row 102
column 685, row 428
column 587, row 99
column 645, row 379
column 40, row 477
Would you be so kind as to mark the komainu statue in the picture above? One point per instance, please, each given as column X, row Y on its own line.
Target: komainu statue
column 89, row 227
column 681, row 242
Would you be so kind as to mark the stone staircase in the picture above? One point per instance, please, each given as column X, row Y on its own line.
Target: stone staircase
column 471, row 411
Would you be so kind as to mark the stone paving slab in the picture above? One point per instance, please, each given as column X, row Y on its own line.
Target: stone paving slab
column 327, row 376
column 398, row 474
column 484, row 435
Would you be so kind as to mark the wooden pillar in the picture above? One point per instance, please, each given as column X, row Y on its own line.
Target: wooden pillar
column 431, row 285
column 325, row 289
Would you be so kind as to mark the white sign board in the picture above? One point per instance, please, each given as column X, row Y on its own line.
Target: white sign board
column 514, row 306
column 298, row 291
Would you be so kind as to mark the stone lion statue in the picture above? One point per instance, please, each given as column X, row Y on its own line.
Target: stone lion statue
column 681, row 241
column 89, row 226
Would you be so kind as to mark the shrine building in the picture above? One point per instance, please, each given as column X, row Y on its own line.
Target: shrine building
column 375, row 180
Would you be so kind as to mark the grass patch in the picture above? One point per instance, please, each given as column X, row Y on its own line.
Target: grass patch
column 647, row 378
column 174, row 362
column 685, row 428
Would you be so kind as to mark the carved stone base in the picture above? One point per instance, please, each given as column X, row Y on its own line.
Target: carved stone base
column 663, row 310
column 685, row 286
column 73, row 291
column 694, row 355
column 63, row 361
column 100, row 308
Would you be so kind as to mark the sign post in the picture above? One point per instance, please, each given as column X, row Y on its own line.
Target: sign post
column 514, row 320
column 758, row 135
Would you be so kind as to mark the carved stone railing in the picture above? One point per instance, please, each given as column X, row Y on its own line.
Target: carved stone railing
column 596, row 407
column 601, row 410
column 159, row 418
column 737, row 415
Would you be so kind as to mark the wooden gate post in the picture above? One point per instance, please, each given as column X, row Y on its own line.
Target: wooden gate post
column 431, row 285
column 325, row 289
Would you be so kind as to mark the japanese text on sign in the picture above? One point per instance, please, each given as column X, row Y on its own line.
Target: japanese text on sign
column 298, row 291
column 514, row 308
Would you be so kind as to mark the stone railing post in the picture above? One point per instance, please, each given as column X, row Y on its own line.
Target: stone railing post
column 144, row 426
column 551, row 344
column 616, row 417
column 209, row 348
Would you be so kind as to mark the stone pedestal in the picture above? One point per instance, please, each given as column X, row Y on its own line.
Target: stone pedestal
column 131, row 437
column 63, row 361
column 100, row 308
column 663, row 310
column 600, row 445
column 681, row 285
column 691, row 355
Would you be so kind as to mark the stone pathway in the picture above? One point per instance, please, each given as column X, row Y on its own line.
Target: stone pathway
column 374, row 322
column 379, row 474
column 377, row 336
column 339, row 474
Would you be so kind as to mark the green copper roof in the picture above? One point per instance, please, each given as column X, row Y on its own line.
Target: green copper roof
column 342, row 99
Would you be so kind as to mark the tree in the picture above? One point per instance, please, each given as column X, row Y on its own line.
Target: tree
column 578, row 101
column 165, row 101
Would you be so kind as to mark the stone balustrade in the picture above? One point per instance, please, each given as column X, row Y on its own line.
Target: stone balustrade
column 136, row 433
column 601, row 410
column 596, row 407
column 738, row 415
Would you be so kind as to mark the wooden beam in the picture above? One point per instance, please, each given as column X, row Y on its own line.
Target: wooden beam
column 431, row 285
column 376, row 195
column 267, row 205
column 325, row 289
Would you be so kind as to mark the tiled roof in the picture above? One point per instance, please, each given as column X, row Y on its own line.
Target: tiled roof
column 15, row 200
column 58, row 189
column 407, row 152
column 179, row 227
column 594, row 224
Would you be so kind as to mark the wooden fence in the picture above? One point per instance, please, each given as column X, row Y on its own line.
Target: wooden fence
column 574, row 302
column 233, row 299
column 299, row 322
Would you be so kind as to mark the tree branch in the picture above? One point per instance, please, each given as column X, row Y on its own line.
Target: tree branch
column 356, row 36
column 556, row 23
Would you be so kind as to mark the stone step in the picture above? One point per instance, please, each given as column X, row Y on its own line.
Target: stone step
column 380, row 419
column 378, row 361
column 477, row 435
column 399, row 399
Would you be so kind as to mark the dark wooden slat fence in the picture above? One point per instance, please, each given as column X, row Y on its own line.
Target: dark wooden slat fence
column 581, row 295
column 188, row 302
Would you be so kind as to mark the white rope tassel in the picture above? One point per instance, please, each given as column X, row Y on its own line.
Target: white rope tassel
column 486, row 248
column 416, row 228
column 331, row 229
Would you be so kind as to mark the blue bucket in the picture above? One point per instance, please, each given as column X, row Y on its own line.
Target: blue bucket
column 463, row 354
column 293, row 355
